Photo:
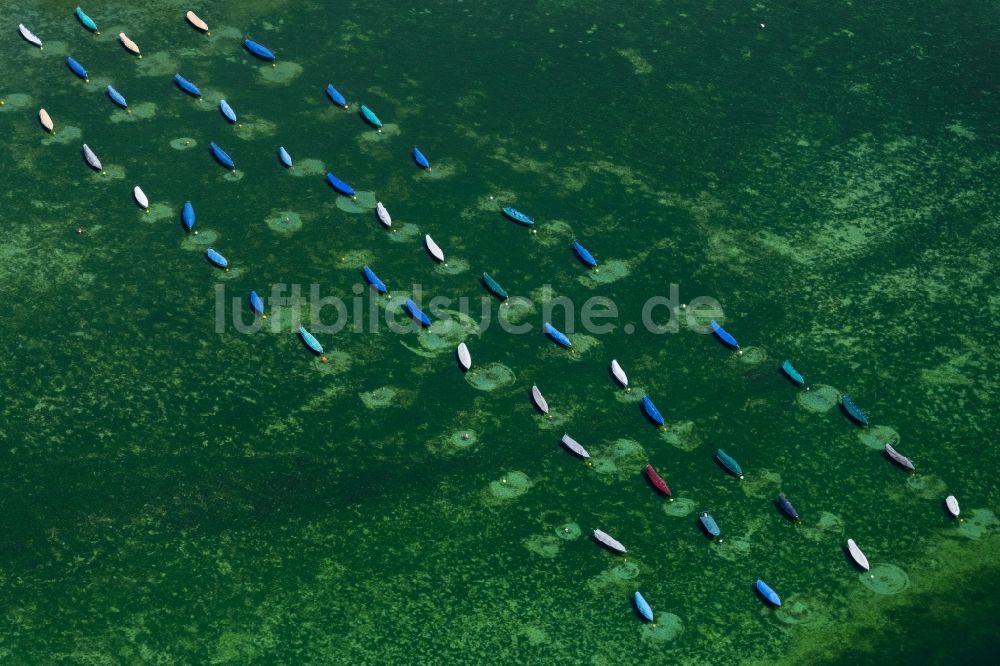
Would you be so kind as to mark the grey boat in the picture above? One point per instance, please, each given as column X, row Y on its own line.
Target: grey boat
column 574, row 446
column 609, row 541
column 91, row 158
column 539, row 400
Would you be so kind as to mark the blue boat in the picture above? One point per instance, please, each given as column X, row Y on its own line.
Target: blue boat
column 187, row 216
column 417, row 313
column 285, row 158
column 651, row 411
column 227, row 111
column 87, row 22
column 724, row 335
column 371, row 118
column 853, row 410
column 419, row 158
column 709, row 524
column 769, row 595
column 216, row 258
column 374, row 281
column 787, row 508
column 259, row 50
column 187, row 86
column 339, row 185
column 643, row 607
column 222, row 156
column 558, row 335
column 77, row 69
column 518, row 216
column 335, row 96
column 117, row 97
column 794, row 375
column 585, row 256
column 310, row 340
column 256, row 304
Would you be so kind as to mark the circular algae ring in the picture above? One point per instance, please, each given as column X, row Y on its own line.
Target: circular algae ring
column 795, row 610
column 752, row 355
column 461, row 440
column 681, row 435
column 379, row 398
column 512, row 485
column 876, row 437
column 666, row 628
column 625, row 571
column 568, row 531
column 679, row 508
column 454, row 266
column 183, row 143
column 282, row 72
column 818, row 399
column 603, row 465
column 545, row 545
column 491, row 377
column 284, row 222
column 198, row 242
column 885, row 579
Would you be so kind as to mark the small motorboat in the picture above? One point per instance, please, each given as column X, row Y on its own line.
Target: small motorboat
column 786, row 507
column 45, row 120
column 644, row 610
column 417, row 313
column 221, row 156
column 585, row 256
column 335, row 96
column 197, row 22
column 339, row 185
column 310, row 340
column 87, row 22
column 651, row 411
column 140, row 198
column 117, row 97
column 729, row 463
column 227, row 111
column 187, row 216
column 216, row 258
column 285, row 158
column 187, row 86
column 898, row 458
column 77, row 69
column 574, row 446
column 419, row 158
column 769, row 595
column 494, row 287
column 518, row 216
column 371, row 118
column 558, row 336
column 724, row 335
column 29, row 36
column 619, row 373
column 129, row 44
column 374, row 281
column 657, row 480
column 382, row 214
column 539, row 400
column 433, row 248
column 256, row 304
column 951, row 504
column 853, row 410
column 709, row 524
column 259, row 50
column 606, row 539
column 793, row 375
column 856, row 555
column 464, row 357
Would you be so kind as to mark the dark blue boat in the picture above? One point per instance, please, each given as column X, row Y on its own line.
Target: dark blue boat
column 643, row 607
column 853, row 410
column 518, row 216
column 187, row 216
column 223, row 157
column 585, row 256
column 787, row 508
column 256, row 304
column 374, row 281
column 216, row 258
column 769, row 595
column 285, row 158
column 724, row 335
column 339, row 185
column 77, row 69
column 557, row 335
column 259, row 50
column 117, row 97
column 187, row 86
column 417, row 313
column 419, row 158
column 227, row 111
column 793, row 375
column 335, row 96
column 651, row 411
column 709, row 524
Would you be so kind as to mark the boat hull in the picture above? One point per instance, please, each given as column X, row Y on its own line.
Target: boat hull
column 729, row 463
column 339, row 185
column 584, row 255
column 857, row 556
column 129, row 45
column 29, row 36
column 259, row 50
column 787, row 508
column 187, row 216
column 196, row 22
column 643, row 607
column 951, row 504
column 619, row 373
column 227, row 111
column 518, row 216
column 417, row 313
column 222, row 157
column 853, row 410
column 709, row 525
column 575, row 446
column 285, row 158
column 370, row 117
column 187, row 86
column 540, row 402
column 434, row 249
column 898, row 458
column 374, row 281
column 769, row 595
column 256, row 304
column 310, row 340
column 216, row 258
column 45, row 120
column 117, row 97
column 558, row 336
column 793, row 375
column 77, row 68
column 651, row 411
column 724, row 335
column 335, row 96
column 383, row 215
column 464, row 357
column 419, row 158
column 657, row 480
column 494, row 287
column 87, row 22
column 140, row 197
column 91, row 158
column 609, row 541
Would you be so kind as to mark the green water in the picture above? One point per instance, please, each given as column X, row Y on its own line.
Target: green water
column 175, row 495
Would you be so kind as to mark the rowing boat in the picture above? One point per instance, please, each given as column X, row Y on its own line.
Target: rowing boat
column 952, row 505
column 574, row 446
column 77, row 69
column 494, row 286
column 87, row 22
column 557, row 335
column 370, row 116
column 609, row 541
column 792, row 373
column 709, row 524
column 256, row 304
column 91, row 158
column 29, row 36
column 787, row 508
column 222, row 156
column 259, row 50
column 856, row 555
column 187, row 86
column 770, row 595
column 619, row 373
column 382, row 214
column 335, row 96
column 285, row 158
column 187, row 216
column 464, row 357
column 585, row 256
column 643, row 607
column 216, row 258
column 374, row 281
column 140, row 197
column 417, row 313
column 129, row 44
column 227, row 111
column 339, row 185
column 724, row 335
column 853, row 410
column 45, row 120
column 539, row 400
column 117, row 97
column 419, row 158
column 657, row 480
column 729, row 463
column 196, row 22
column 433, row 248
column 310, row 340
column 651, row 411
column 898, row 458
column 518, row 216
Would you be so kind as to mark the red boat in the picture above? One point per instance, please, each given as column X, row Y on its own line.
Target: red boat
column 657, row 480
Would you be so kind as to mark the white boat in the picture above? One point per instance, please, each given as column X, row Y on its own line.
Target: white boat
column 140, row 197
column 129, row 44
column 464, row 357
column 433, row 248
column 196, row 22
column 43, row 117
column 609, row 541
column 574, row 446
column 383, row 214
column 619, row 373
column 856, row 555
column 952, row 504
column 539, row 399
column 91, row 158
column 28, row 35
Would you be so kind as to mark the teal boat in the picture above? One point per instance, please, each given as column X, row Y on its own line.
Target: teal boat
column 87, row 22
column 310, row 340
column 794, row 375
column 853, row 410
column 494, row 287
column 370, row 116
column 518, row 216
column 729, row 463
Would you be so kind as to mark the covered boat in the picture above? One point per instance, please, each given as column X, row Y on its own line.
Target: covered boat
column 45, row 120
column 310, row 340
column 77, row 69
column 898, row 458
column 187, row 216
column 729, row 463
column 724, row 335
column 335, row 96
column 794, row 375
column 140, row 197
column 382, row 214
column 769, row 595
column 339, row 185
column 256, row 304
column 259, row 50
column 374, row 281
column 856, row 555
column 193, row 19
column 494, row 287
column 951, row 504
column 187, row 86
column 91, row 158
column 117, row 97
column 619, row 373
column 417, row 313
column 640, row 605
column 221, row 156
column 609, row 541
column 651, row 411
column 709, row 524
column 518, row 216
column 433, row 248
column 227, row 111
column 853, row 410
column 419, row 158
column 371, row 118
column 29, row 36
column 574, row 446
column 657, row 480
column 87, row 22
column 129, row 44
column 216, row 258
column 585, row 256
column 787, row 508
column 539, row 400
column 557, row 335
column 464, row 357
column 285, row 158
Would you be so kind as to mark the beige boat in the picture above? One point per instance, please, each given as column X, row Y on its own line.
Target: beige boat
column 43, row 117
column 197, row 22
column 129, row 44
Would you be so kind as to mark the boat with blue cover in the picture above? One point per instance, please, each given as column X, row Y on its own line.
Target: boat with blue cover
column 417, row 313
column 374, row 281
column 285, row 158
column 222, row 156
column 557, row 335
column 729, row 463
column 371, row 118
column 419, row 158
column 787, row 508
column 709, row 524
column 256, row 304
column 335, row 96
column 117, row 97
column 651, row 411
column 87, row 22
column 494, row 287
column 769, row 595
column 643, row 607
column 518, row 216
column 794, row 375
column 259, row 50
column 339, row 185
column 216, row 258
column 853, row 410
column 77, row 69
column 187, row 86
column 585, row 256
column 227, row 111
column 187, row 216
column 724, row 335
column 310, row 340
